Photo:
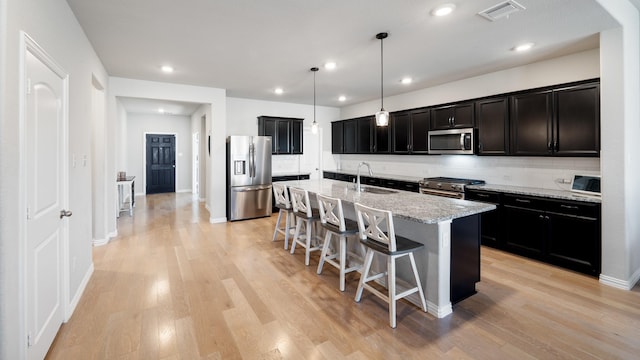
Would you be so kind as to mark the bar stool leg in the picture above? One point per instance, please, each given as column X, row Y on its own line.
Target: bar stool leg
column 368, row 259
column 275, row 231
column 343, row 260
column 325, row 249
column 391, row 284
column 307, row 253
column 296, row 234
column 287, row 225
column 415, row 274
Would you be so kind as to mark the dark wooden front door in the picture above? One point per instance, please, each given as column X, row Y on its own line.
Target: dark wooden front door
column 161, row 163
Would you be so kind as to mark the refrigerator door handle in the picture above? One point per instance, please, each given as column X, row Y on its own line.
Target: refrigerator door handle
column 252, row 160
column 250, row 188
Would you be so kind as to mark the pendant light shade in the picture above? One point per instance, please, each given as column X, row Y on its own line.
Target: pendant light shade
column 314, row 125
column 382, row 116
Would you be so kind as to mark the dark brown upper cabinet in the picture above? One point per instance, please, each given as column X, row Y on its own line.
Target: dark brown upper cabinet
column 492, row 120
column 561, row 121
column 452, row 116
column 337, row 139
column 349, row 136
column 286, row 133
column 409, row 131
column 577, row 120
column 531, row 123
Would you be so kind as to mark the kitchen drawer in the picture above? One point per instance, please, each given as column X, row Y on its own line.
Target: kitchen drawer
column 329, row 175
column 523, row 201
column 371, row 181
column 576, row 208
column 484, row 196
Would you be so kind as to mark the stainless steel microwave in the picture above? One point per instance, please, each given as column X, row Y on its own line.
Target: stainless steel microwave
column 452, row 141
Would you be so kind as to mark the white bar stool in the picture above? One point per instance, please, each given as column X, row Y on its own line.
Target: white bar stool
column 371, row 224
column 281, row 196
column 307, row 216
column 332, row 219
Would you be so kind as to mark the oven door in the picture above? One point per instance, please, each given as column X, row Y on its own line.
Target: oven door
column 443, row 193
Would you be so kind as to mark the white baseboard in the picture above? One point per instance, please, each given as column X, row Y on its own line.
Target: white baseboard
column 621, row 284
column 217, row 220
column 202, row 199
column 101, row 242
column 113, row 234
column 76, row 298
column 183, row 191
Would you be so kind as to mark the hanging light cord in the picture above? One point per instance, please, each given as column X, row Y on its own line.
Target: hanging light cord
column 381, row 74
column 314, row 96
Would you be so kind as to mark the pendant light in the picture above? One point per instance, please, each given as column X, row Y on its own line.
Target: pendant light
column 382, row 116
column 314, row 125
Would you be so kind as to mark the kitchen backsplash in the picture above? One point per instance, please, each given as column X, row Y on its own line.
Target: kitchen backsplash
column 538, row 172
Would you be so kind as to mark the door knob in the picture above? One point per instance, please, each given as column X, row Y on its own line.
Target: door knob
column 64, row 213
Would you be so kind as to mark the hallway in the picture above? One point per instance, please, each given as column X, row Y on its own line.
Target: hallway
column 174, row 286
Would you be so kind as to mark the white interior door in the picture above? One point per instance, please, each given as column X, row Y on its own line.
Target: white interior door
column 45, row 199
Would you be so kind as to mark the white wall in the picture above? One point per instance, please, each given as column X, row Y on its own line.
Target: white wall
column 140, row 124
column 620, row 95
column 200, row 126
column 242, row 119
column 52, row 25
column 216, row 126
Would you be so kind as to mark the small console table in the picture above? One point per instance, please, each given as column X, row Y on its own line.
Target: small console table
column 126, row 195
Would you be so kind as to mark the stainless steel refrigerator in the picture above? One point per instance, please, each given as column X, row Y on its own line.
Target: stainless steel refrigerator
column 248, row 177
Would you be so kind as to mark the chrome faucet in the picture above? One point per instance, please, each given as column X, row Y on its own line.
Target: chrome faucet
column 358, row 188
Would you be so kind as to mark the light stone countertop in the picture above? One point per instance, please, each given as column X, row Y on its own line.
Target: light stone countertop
column 546, row 193
column 291, row 173
column 365, row 172
column 426, row 209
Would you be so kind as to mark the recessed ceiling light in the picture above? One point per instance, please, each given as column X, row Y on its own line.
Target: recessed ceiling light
column 443, row 10
column 167, row 69
column 330, row 65
column 523, row 47
column 342, row 98
column 406, row 80
column 278, row 91
column 161, row 111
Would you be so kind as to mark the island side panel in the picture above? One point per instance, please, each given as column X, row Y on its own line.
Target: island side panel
column 433, row 262
column 465, row 257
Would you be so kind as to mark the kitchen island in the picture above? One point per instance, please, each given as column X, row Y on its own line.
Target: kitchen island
column 431, row 220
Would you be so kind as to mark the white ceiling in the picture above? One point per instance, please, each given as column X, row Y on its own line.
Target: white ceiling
column 249, row 47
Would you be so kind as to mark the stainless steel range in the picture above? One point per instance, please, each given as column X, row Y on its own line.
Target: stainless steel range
column 446, row 186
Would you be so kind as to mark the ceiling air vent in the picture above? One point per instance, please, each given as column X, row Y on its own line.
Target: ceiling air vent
column 499, row 11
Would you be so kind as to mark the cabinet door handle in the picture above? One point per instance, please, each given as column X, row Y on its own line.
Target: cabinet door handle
column 541, row 217
column 480, row 147
column 523, row 201
column 482, row 195
column 549, row 146
column 546, row 217
column 555, row 145
column 569, row 207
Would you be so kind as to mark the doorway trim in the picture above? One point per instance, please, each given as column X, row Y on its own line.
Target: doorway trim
column 144, row 159
column 28, row 44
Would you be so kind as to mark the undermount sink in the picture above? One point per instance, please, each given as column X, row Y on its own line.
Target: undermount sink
column 377, row 190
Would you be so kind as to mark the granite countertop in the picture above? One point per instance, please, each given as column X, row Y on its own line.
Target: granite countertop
column 554, row 194
column 410, row 206
column 365, row 172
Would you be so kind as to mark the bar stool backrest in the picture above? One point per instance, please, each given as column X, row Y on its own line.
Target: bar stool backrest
column 371, row 224
column 281, row 195
column 300, row 200
column 331, row 211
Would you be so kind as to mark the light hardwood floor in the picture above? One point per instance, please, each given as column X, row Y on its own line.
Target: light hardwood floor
column 174, row 286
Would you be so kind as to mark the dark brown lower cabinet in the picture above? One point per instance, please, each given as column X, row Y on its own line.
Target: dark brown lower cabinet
column 560, row 232
column 490, row 220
